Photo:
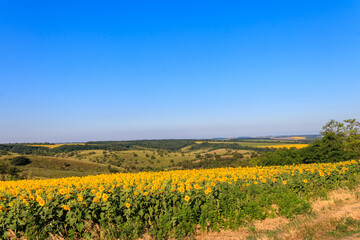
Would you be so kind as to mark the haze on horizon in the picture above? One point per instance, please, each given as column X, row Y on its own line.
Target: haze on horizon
column 82, row 71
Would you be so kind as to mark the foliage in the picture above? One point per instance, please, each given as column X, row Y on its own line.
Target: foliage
column 42, row 149
column 20, row 161
column 8, row 172
column 330, row 148
column 3, row 152
column 340, row 142
column 209, row 162
column 347, row 131
column 167, row 144
column 233, row 146
column 283, row 156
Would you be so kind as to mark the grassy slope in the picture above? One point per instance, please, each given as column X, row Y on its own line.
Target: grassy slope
column 130, row 157
column 90, row 162
column 53, row 167
column 139, row 158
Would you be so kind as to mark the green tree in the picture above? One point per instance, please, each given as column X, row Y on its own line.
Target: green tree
column 340, row 141
column 20, row 161
column 348, row 132
column 8, row 172
column 330, row 148
column 334, row 127
column 352, row 132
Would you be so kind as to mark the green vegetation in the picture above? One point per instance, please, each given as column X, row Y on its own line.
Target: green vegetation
column 214, row 159
column 8, row 172
column 20, row 161
column 340, row 142
column 51, row 167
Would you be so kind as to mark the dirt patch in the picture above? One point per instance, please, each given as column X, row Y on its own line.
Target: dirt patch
column 270, row 224
column 327, row 213
column 227, row 234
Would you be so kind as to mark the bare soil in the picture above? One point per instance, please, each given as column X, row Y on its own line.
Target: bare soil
column 327, row 214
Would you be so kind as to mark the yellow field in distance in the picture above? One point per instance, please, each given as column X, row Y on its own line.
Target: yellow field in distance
column 55, row 145
column 286, row 146
column 298, row 138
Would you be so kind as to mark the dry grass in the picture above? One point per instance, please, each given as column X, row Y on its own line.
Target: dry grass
column 270, row 224
column 327, row 213
column 54, row 167
column 227, row 234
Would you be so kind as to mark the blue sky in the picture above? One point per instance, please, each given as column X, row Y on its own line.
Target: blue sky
column 86, row 70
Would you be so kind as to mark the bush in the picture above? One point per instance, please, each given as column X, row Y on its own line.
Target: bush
column 330, row 148
column 280, row 157
column 9, row 173
column 3, row 152
column 20, row 161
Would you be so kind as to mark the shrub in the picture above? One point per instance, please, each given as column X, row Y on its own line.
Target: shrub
column 20, row 161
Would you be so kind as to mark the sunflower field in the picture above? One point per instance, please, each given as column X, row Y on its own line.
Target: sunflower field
column 164, row 204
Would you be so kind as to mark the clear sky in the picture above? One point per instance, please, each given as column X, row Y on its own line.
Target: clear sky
column 86, row 70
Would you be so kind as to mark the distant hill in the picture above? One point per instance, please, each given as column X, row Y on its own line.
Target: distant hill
column 284, row 137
